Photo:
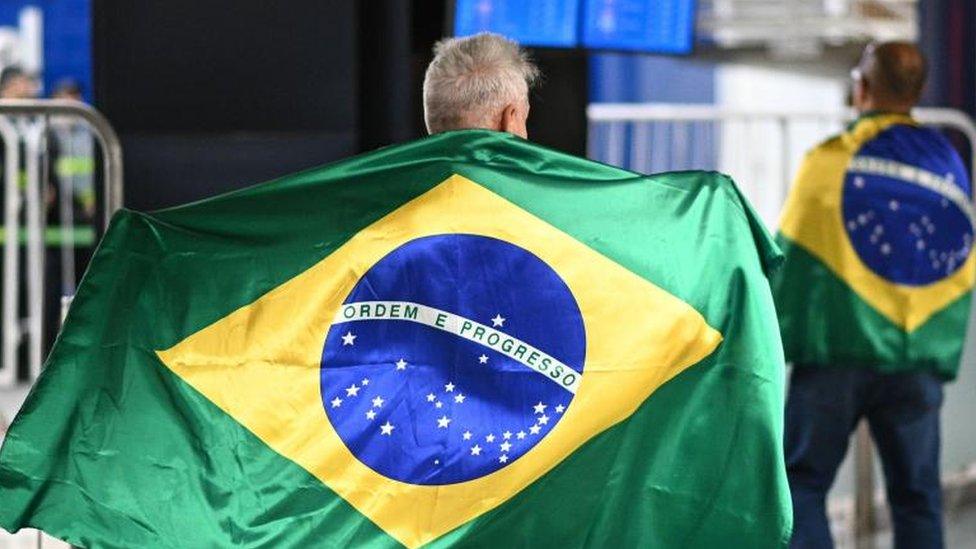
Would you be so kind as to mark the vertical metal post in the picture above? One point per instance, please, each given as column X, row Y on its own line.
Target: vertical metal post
column 640, row 153
column 66, row 190
column 679, row 147
column 11, row 251
column 65, row 306
column 785, row 156
column 864, row 519
column 33, row 135
column 659, row 143
column 615, row 143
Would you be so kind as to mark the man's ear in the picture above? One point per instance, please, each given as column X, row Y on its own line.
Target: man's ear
column 860, row 94
column 513, row 121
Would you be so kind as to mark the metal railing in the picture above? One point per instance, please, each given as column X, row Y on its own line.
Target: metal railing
column 29, row 129
column 761, row 150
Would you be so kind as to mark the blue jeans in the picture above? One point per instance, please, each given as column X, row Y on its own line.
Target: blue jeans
column 823, row 408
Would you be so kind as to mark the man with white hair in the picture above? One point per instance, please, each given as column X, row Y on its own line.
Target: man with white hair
column 478, row 82
column 499, row 344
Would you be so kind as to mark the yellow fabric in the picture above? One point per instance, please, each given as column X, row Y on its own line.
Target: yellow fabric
column 261, row 363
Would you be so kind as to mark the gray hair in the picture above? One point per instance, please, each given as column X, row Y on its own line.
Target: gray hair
column 472, row 79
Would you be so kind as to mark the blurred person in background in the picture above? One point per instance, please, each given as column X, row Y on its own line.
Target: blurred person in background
column 74, row 162
column 69, row 89
column 481, row 81
column 15, row 83
column 873, row 299
column 72, row 151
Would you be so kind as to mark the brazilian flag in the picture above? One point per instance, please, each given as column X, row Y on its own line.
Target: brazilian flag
column 878, row 237
column 464, row 340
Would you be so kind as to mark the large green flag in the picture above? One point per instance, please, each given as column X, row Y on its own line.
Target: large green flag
column 467, row 339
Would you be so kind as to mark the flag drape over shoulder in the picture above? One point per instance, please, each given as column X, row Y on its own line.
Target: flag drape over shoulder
column 467, row 339
column 878, row 237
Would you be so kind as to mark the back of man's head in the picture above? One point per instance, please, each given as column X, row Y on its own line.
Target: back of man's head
column 9, row 75
column 481, row 81
column 15, row 83
column 894, row 74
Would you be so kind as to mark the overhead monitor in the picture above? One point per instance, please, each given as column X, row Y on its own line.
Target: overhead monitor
column 654, row 26
column 545, row 23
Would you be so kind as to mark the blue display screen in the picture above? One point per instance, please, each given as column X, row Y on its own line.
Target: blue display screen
column 664, row 26
column 551, row 23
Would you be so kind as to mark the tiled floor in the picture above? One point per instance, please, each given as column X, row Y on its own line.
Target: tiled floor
column 960, row 532
column 962, row 529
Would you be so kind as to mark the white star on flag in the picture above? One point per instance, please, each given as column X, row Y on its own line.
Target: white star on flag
column 449, row 387
column 352, row 391
column 387, row 428
column 401, row 364
column 505, row 446
column 534, row 429
column 543, row 419
column 483, row 359
column 520, row 435
column 377, row 402
column 370, row 415
column 490, row 438
column 476, row 450
column 365, row 381
column 336, row 402
column 459, row 398
column 439, row 404
column 466, row 435
column 502, row 458
column 442, row 422
column 431, row 397
column 349, row 339
column 560, row 408
column 539, row 408
column 507, row 435
column 499, row 320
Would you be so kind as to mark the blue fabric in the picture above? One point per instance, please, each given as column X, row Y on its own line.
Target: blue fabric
column 823, row 408
column 905, row 231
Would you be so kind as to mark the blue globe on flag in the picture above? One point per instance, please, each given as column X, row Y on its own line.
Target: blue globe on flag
column 906, row 207
column 452, row 357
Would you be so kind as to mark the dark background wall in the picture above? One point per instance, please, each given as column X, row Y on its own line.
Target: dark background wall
column 210, row 96
column 213, row 96
column 947, row 35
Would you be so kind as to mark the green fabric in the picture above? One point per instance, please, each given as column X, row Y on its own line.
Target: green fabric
column 112, row 450
column 866, row 338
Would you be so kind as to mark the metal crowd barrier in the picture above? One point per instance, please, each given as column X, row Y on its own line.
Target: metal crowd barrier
column 761, row 150
column 29, row 129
